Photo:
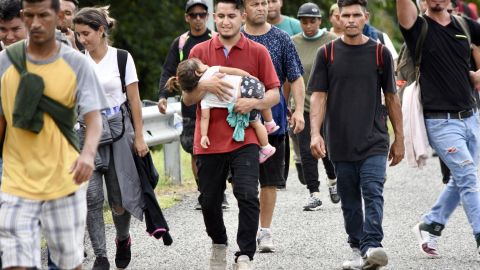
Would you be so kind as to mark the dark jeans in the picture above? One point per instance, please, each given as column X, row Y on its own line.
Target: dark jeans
column 212, row 173
column 364, row 178
column 310, row 164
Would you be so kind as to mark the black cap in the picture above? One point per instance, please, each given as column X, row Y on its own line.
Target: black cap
column 192, row 3
column 309, row 10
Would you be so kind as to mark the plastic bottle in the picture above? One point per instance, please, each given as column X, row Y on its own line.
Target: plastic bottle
column 178, row 122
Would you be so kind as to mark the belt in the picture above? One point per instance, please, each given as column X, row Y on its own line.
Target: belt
column 450, row 115
column 111, row 111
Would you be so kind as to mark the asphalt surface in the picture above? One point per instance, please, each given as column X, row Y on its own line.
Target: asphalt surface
column 312, row 240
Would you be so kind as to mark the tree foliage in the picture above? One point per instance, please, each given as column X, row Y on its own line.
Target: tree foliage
column 146, row 28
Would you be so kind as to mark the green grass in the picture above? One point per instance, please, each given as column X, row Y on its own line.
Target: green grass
column 164, row 182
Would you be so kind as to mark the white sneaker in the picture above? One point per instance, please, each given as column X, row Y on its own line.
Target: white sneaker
column 218, row 259
column 243, row 263
column 314, row 203
column 265, row 241
column 375, row 258
column 428, row 242
column 356, row 262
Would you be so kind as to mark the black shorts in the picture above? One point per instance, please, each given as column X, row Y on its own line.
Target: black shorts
column 186, row 138
column 252, row 88
column 272, row 170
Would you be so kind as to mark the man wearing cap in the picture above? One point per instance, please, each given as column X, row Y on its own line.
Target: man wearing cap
column 307, row 44
column 196, row 15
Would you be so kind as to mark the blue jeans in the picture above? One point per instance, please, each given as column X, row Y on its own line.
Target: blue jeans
column 457, row 144
column 357, row 180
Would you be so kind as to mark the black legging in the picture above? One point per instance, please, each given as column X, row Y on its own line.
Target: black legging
column 309, row 163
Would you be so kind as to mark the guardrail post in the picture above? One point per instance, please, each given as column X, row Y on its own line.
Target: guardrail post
column 172, row 162
column 160, row 129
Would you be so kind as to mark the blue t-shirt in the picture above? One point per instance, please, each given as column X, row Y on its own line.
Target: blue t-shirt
column 290, row 25
column 287, row 65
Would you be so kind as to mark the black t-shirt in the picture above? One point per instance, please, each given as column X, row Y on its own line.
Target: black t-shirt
column 444, row 79
column 355, row 120
column 171, row 63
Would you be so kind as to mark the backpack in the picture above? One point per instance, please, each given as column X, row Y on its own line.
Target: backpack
column 408, row 68
column 122, row 56
column 183, row 39
column 330, row 55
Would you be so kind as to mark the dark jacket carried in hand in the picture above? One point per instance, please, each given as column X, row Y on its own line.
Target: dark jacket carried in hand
column 154, row 219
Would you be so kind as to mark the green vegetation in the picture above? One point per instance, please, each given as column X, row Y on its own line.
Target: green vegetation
column 146, row 28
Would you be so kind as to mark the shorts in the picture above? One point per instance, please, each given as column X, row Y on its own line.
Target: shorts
column 62, row 222
column 186, row 138
column 272, row 170
column 252, row 88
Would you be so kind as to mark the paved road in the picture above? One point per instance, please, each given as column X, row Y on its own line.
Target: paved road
column 313, row 240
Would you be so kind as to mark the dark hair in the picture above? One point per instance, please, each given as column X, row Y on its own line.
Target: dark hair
column 187, row 78
column 55, row 4
column 10, row 9
column 94, row 17
column 346, row 3
column 239, row 4
column 75, row 2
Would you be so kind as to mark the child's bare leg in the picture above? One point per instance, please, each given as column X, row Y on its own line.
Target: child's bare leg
column 268, row 121
column 261, row 132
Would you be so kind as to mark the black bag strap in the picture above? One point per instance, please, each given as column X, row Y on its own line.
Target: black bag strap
column 465, row 28
column 122, row 57
column 418, row 49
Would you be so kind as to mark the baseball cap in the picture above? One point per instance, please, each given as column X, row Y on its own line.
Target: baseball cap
column 309, row 10
column 192, row 3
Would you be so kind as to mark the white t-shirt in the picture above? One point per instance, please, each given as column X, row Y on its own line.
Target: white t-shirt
column 109, row 76
column 211, row 100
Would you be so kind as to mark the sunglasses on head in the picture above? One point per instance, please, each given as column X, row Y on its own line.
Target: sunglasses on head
column 193, row 15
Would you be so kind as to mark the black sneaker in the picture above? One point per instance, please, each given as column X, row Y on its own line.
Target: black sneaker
column 101, row 263
column 123, row 254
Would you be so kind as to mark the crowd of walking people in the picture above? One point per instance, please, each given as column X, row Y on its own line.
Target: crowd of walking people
column 71, row 122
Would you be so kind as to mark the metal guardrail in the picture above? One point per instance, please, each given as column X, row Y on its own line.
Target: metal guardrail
column 160, row 129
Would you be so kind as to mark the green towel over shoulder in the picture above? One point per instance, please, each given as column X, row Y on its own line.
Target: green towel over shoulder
column 31, row 103
column 237, row 121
